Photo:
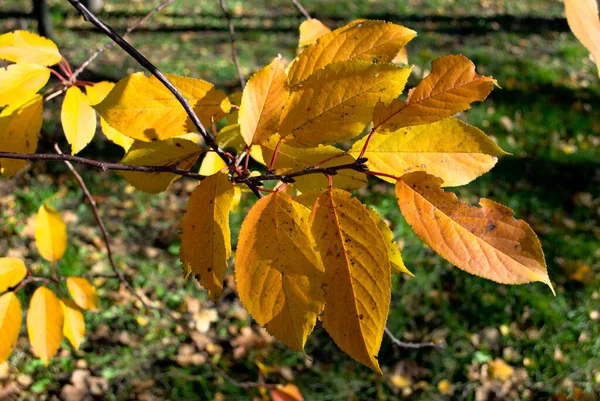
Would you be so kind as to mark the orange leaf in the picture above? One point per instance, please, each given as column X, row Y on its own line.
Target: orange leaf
column 450, row 88
column 45, row 323
column 289, row 392
column 488, row 241
column 584, row 21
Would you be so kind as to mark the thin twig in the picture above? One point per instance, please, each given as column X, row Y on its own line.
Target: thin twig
column 107, row 46
column 301, row 9
column 234, row 52
column 404, row 344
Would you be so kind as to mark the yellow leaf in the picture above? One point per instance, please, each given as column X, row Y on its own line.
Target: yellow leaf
column 450, row 149
column 83, row 293
column 143, row 108
column 336, row 103
column 45, row 323
column 234, row 98
column 205, row 236
column 78, row 119
column 279, row 274
column 50, row 233
column 311, row 30
column 96, row 93
column 445, row 387
column 488, row 241
column 230, row 136
column 74, row 323
column 18, row 82
column 584, row 21
column 369, row 41
column 237, row 198
column 357, row 275
column 10, row 323
column 450, row 88
column 293, row 159
column 396, row 262
column 20, row 125
column 172, row 152
column 12, row 271
column 401, row 382
column 28, row 47
column 211, row 164
column 500, row 370
column 262, row 101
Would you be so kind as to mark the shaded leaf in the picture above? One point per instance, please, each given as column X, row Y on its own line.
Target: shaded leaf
column 18, row 82
column 83, row 293
column 74, row 323
column 584, row 21
column 450, row 88
column 172, row 152
column 20, row 124
column 10, row 323
column 368, row 41
column 279, row 274
column 450, row 149
column 311, row 30
column 12, row 272
column 230, row 136
column 263, row 99
column 45, row 324
column 28, row 47
column 50, row 233
column 336, row 103
column 396, row 262
column 205, row 236
column 143, row 108
column 357, row 275
column 78, row 119
column 488, row 241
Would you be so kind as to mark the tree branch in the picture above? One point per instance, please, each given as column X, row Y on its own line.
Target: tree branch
column 301, row 9
column 403, row 344
column 234, row 53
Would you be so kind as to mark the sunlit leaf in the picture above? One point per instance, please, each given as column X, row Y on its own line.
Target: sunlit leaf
column 289, row 392
column 357, row 275
column 143, row 108
column 78, row 119
column 486, row 241
column 10, row 323
column 28, row 47
column 20, row 124
column 74, row 323
column 18, row 82
column 45, row 324
column 336, row 103
column 450, row 88
column 584, row 21
column 396, row 262
column 83, row 293
column 311, row 30
column 50, row 233
column 278, row 272
column 12, row 271
column 211, row 164
column 205, row 236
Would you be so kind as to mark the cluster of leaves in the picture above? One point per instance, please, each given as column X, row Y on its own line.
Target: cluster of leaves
column 50, row 317
column 309, row 250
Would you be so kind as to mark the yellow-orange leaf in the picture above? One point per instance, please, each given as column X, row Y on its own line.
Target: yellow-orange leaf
column 28, row 47
column 78, row 119
column 12, row 271
column 357, row 275
column 293, row 159
column 230, row 136
column 50, row 233
column 83, row 293
column 401, row 58
column 369, row 41
column 336, row 103
column 488, row 241
column 172, row 152
column 20, row 124
column 311, row 30
column 10, row 323
column 262, row 101
column 396, row 262
column 74, row 322
column 19, row 82
column 143, row 108
column 278, row 272
column 450, row 88
column 450, row 149
column 205, row 236
column 45, row 324
column 289, row 392
column 211, row 164
column 96, row 93
column 584, row 21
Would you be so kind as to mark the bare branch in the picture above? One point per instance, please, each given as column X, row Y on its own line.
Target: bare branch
column 234, row 53
column 301, row 9
column 403, row 344
column 107, row 46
